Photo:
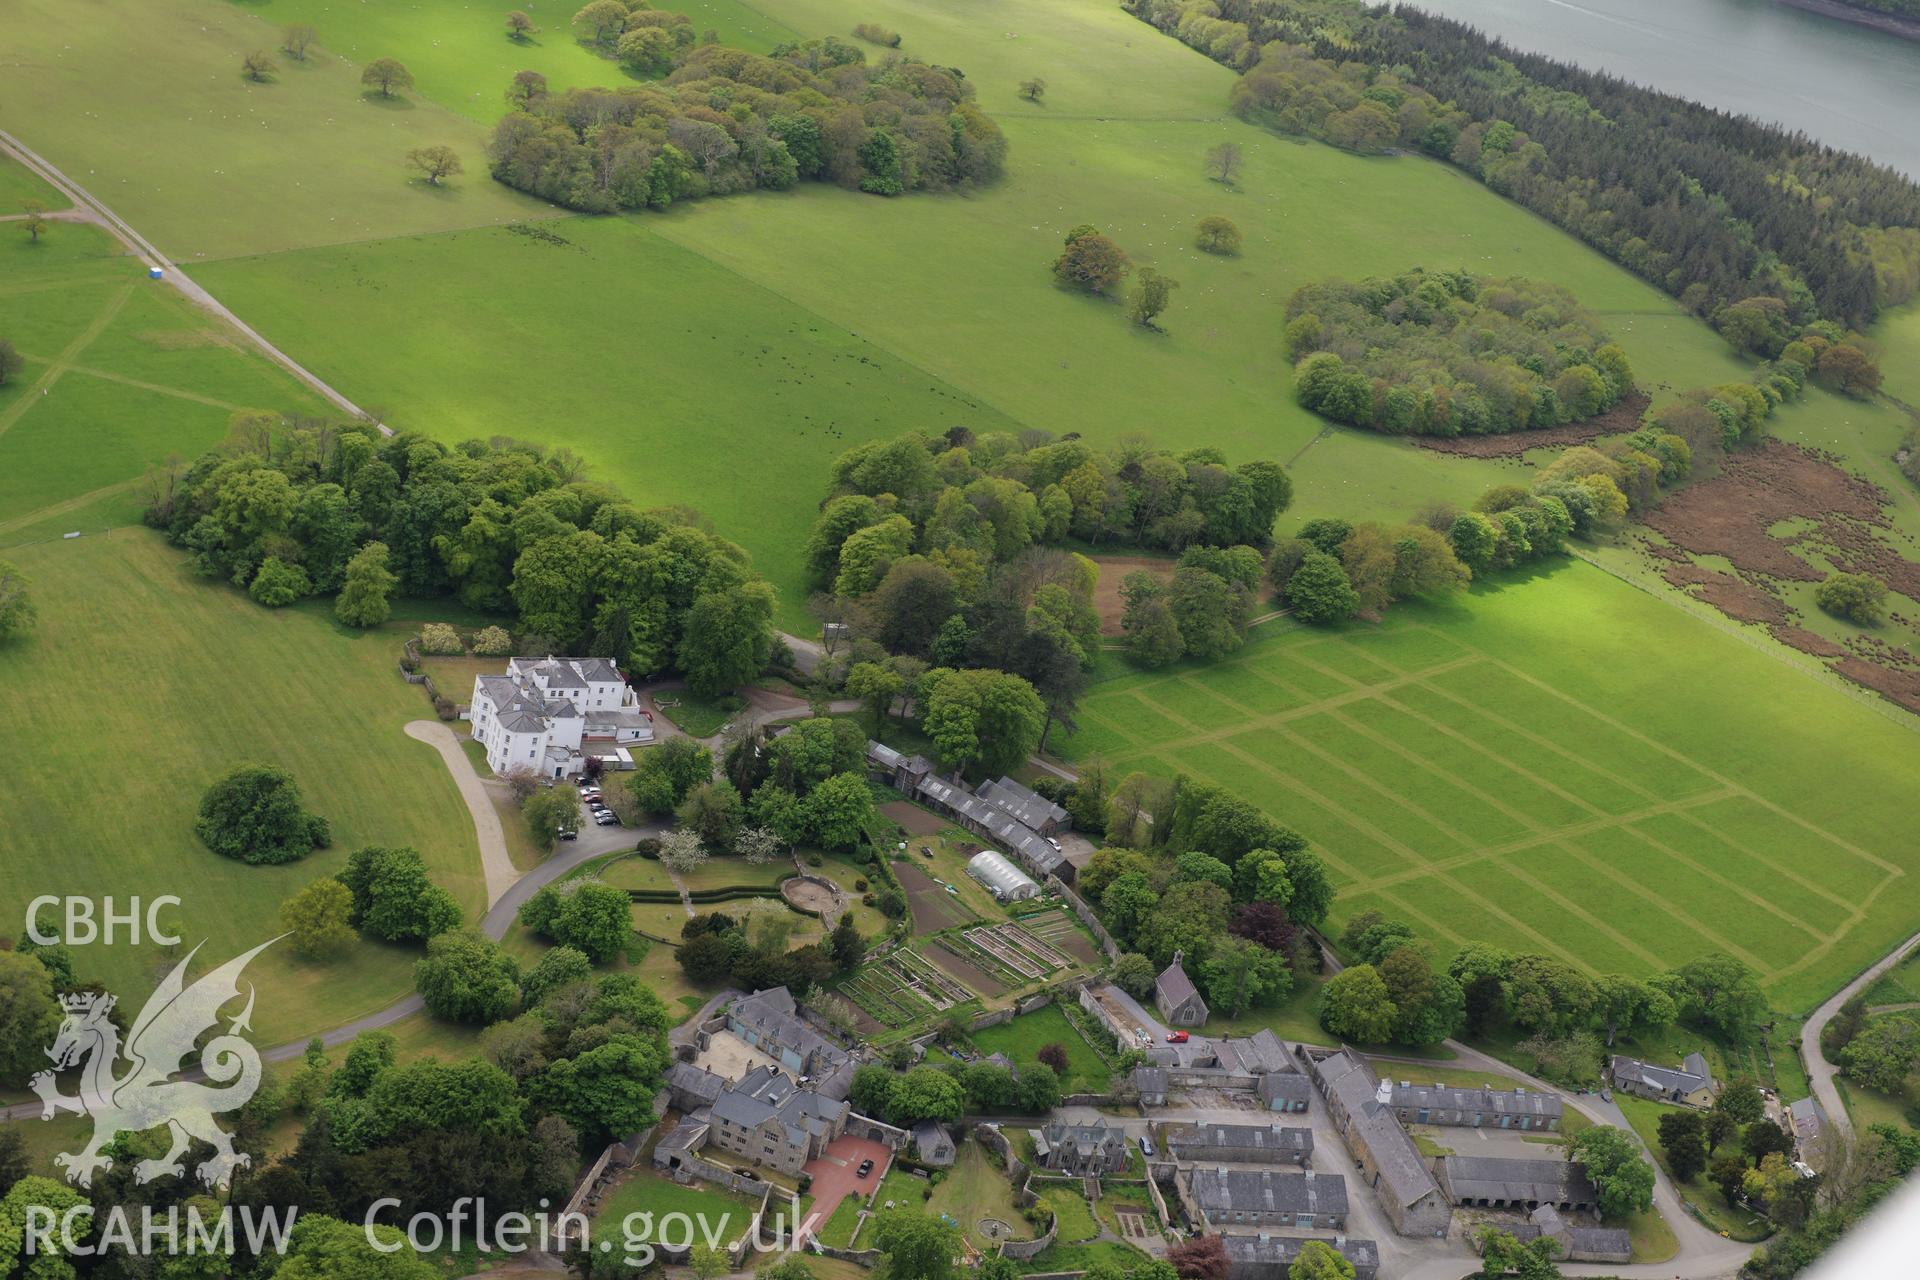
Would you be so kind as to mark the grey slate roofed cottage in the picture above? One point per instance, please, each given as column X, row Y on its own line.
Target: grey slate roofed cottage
column 1264, row 1197
column 1265, row 1256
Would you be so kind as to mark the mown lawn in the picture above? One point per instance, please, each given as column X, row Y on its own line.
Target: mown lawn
column 837, row 1230
column 1024, row 1037
column 847, row 873
column 1536, row 764
column 1071, row 1213
column 697, row 716
column 186, row 679
column 975, row 1189
column 713, row 1209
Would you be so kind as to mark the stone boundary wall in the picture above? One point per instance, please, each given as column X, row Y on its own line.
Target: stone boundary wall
column 1084, row 913
column 695, row 1166
column 1021, row 1250
column 990, row 1137
column 866, row 1127
column 1038, row 1000
column 616, row 1156
column 868, row 1258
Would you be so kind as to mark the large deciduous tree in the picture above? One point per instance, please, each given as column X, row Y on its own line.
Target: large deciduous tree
column 253, row 814
column 1090, row 262
column 320, row 918
column 386, row 75
column 365, row 596
column 1355, row 1005
column 1612, row 1161
column 17, row 612
column 982, row 722
column 435, row 162
column 465, row 977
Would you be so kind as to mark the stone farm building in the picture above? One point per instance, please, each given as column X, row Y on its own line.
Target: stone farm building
column 1257, row 1064
column 1240, row 1143
column 1476, row 1108
column 1080, row 1148
column 1228, row 1199
column 545, row 714
column 1577, row 1243
column 770, row 1021
column 1266, row 1256
column 1014, row 817
column 1807, row 1120
column 1151, row 1084
column 1176, row 997
column 1386, row 1157
column 933, row 1144
column 1690, row 1084
column 765, row 1118
column 1497, row 1182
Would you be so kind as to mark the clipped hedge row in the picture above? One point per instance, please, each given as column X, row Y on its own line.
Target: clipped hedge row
column 725, row 893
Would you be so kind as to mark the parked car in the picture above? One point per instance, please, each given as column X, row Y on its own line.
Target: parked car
column 1146, row 1146
column 568, row 833
column 606, row 819
column 1055, row 844
column 1176, row 1037
column 866, row 1167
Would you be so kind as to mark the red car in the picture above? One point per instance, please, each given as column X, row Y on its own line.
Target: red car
column 1176, row 1037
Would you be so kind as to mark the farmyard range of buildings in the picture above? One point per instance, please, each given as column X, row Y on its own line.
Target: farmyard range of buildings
column 1255, row 1182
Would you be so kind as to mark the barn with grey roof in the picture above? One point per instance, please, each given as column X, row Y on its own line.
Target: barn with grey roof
column 1266, row 1256
column 1388, row 1160
column 1241, row 1143
column 1228, row 1198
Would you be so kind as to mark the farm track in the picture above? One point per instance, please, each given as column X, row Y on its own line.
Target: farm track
column 86, row 208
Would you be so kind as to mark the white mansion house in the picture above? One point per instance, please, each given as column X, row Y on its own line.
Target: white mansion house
column 539, row 714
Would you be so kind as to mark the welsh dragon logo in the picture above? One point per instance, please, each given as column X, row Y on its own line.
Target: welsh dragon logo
column 146, row 1096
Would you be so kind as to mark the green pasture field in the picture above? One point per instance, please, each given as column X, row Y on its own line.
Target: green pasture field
column 773, row 331
column 188, row 678
column 219, row 165
column 696, row 385
column 1024, row 1037
column 460, row 54
column 1900, row 985
column 121, row 372
column 18, row 185
column 1898, row 334
column 1562, row 764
